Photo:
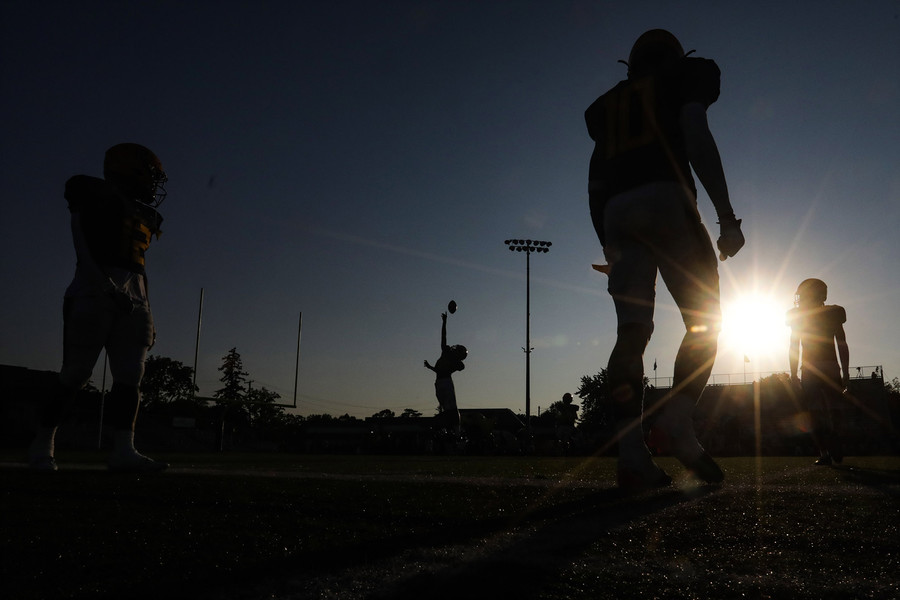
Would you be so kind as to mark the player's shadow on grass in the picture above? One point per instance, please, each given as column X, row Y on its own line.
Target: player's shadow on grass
column 544, row 542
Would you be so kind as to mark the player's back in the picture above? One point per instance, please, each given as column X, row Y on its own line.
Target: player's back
column 636, row 126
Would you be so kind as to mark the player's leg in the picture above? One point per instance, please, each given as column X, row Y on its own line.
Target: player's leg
column 632, row 280
column 451, row 410
column 85, row 326
column 833, row 399
column 127, row 348
column 625, row 374
column 816, row 395
column 688, row 267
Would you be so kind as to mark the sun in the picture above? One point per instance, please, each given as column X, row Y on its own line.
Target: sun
column 753, row 325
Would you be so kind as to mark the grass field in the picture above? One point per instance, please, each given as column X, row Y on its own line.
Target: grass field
column 299, row 526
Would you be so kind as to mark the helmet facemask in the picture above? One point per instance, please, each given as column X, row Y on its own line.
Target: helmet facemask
column 136, row 172
column 159, row 179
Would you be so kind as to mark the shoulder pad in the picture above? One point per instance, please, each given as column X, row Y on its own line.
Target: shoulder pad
column 81, row 189
column 595, row 115
column 838, row 314
column 700, row 80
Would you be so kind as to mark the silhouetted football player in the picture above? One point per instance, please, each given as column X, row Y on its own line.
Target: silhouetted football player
column 106, row 304
column 565, row 419
column 815, row 329
column 450, row 361
column 649, row 130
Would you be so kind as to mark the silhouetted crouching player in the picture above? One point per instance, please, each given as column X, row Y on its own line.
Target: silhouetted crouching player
column 450, row 361
column 815, row 328
column 106, row 305
column 648, row 131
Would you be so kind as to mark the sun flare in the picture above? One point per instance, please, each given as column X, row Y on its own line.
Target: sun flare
column 754, row 325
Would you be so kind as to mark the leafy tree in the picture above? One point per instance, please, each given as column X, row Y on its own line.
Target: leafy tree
column 555, row 411
column 384, row 414
column 596, row 403
column 893, row 387
column 166, row 381
column 597, row 411
column 777, row 391
column 235, row 379
column 547, row 418
column 410, row 413
column 322, row 418
column 260, row 406
column 776, row 381
column 230, row 398
column 892, row 391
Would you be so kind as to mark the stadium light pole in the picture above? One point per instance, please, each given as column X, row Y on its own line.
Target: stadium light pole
column 528, row 246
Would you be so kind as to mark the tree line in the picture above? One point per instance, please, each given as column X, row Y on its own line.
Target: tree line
column 241, row 410
column 168, row 387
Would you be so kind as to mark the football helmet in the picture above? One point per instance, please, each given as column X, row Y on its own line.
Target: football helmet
column 136, row 171
column 811, row 292
column 652, row 49
column 460, row 351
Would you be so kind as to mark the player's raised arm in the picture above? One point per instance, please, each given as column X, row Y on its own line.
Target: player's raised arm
column 443, row 331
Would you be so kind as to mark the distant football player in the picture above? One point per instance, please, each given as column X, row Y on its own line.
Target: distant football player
column 649, row 130
column 816, row 328
column 450, row 361
column 106, row 305
column 565, row 420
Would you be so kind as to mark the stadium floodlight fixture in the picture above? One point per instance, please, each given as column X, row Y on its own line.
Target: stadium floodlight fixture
column 528, row 246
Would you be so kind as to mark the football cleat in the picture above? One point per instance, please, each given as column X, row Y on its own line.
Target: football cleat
column 42, row 463
column 646, row 477
column 824, row 460
column 135, row 463
column 705, row 468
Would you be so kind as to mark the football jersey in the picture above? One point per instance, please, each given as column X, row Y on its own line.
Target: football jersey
column 117, row 229
column 816, row 328
column 637, row 131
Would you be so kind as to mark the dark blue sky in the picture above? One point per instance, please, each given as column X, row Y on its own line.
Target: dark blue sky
column 363, row 162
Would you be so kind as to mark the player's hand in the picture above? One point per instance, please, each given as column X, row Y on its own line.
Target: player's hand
column 845, row 381
column 730, row 237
